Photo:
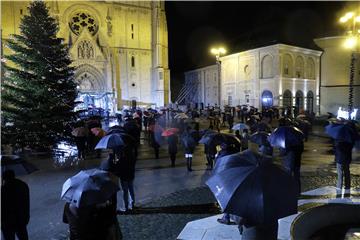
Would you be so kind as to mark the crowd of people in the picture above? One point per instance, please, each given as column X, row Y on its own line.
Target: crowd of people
column 181, row 130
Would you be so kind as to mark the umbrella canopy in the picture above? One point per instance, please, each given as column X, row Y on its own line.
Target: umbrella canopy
column 261, row 193
column 80, row 132
column 99, row 132
column 206, row 132
column 286, row 136
column 240, row 126
column 284, row 121
column 89, row 187
column 240, row 159
column 219, row 138
column 189, row 140
column 301, row 116
column 342, row 132
column 17, row 164
column 260, row 138
column 170, row 131
column 112, row 141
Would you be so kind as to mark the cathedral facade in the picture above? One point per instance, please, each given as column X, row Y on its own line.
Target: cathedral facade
column 276, row 75
column 119, row 49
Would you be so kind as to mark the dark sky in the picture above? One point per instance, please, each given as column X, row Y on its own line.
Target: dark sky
column 194, row 27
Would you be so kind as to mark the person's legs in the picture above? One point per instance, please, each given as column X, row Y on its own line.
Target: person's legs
column 132, row 192
column 125, row 187
column 173, row 158
column 339, row 170
column 156, row 152
column 346, row 171
column 21, row 232
column 8, row 233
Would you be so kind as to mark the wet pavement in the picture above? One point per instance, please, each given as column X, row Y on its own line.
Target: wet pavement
column 155, row 181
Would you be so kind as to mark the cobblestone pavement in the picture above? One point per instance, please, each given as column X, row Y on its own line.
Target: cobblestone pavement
column 168, row 225
column 158, row 188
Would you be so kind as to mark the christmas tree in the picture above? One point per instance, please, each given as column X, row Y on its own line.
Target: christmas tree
column 38, row 88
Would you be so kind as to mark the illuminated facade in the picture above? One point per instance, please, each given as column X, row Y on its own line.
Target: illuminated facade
column 335, row 75
column 119, row 49
column 276, row 75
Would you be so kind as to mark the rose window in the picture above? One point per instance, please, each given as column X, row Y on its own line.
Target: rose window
column 80, row 21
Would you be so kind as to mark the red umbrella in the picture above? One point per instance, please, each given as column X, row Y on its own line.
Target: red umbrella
column 98, row 132
column 170, row 131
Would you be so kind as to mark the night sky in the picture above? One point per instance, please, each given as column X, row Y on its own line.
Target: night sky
column 195, row 27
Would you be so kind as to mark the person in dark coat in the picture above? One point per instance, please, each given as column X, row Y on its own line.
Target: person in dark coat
column 244, row 140
column 292, row 161
column 93, row 222
column 15, row 207
column 343, row 157
column 172, row 148
column 267, row 231
column 127, row 175
column 189, row 144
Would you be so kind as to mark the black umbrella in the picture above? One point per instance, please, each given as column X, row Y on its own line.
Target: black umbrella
column 219, row 138
column 17, row 164
column 260, row 138
column 89, row 187
column 342, row 132
column 240, row 159
column 189, row 140
column 286, row 136
column 261, row 193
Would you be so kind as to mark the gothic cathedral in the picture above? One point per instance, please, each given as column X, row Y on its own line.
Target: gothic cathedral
column 119, row 49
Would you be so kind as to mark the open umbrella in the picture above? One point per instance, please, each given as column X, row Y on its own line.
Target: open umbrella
column 342, row 132
column 170, row 131
column 214, row 139
column 89, row 187
column 240, row 159
column 17, row 164
column 261, row 193
column 240, row 126
column 260, row 138
column 286, row 136
column 301, row 116
column 181, row 116
column 80, row 132
column 112, row 141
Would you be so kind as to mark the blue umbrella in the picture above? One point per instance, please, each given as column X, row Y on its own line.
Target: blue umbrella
column 261, row 193
column 240, row 126
column 286, row 136
column 260, row 138
column 89, row 187
column 240, row 159
column 110, row 141
column 342, row 132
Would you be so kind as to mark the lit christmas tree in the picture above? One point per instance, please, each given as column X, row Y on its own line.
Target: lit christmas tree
column 38, row 88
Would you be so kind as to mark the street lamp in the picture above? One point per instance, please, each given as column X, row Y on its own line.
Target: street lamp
column 218, row 52
column 352, row 22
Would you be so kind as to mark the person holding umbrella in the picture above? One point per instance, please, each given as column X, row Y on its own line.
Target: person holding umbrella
column 290, row 140
column 345, row 136
column 80, row 134
column 172, row 140
column 189, row 143
column 90, row 208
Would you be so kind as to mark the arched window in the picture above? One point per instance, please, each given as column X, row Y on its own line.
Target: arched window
column 132, row 61
column 267, row 67
column 310, row 68
column 267, row 99
column 287, row 98
column 310, row 101
column 299, row 67
column 299, row 100
column 288, row 66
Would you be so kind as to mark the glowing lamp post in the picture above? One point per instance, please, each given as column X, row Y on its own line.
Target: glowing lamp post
column 352, row 22
column 218, row 52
